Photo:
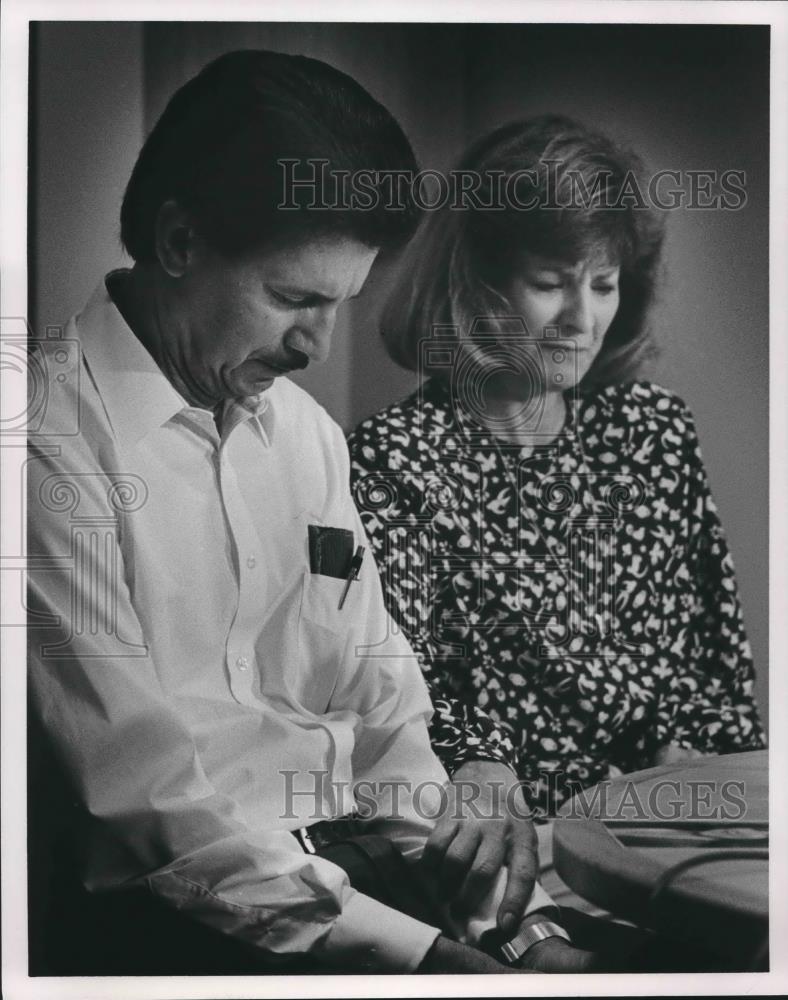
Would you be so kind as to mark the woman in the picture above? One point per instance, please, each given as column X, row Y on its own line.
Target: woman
column 543, row 523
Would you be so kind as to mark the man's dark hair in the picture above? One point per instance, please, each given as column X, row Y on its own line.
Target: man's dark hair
column 218, row 146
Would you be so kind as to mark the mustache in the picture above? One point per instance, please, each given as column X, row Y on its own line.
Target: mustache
column 294, row 362
column 299, row 360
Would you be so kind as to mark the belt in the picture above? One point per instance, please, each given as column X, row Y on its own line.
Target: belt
column 328, row 831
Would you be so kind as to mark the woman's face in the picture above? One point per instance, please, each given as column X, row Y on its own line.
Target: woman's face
column 567, row 310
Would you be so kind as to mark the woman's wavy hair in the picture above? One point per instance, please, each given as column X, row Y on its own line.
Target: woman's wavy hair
column 587, row 198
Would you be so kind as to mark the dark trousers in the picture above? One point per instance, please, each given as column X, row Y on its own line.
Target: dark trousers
column 132, row 933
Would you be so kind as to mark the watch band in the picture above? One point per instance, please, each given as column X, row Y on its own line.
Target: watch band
column 528, row 936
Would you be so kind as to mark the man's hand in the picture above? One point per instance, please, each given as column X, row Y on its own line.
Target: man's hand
column 483, row 827
column 551, row 955
column 556, row 955
column 450, row 957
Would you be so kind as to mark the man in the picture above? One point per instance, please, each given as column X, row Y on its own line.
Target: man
column 212, row 667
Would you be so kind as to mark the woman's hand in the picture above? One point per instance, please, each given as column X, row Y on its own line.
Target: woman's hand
column 484, row 826
column 671, row 754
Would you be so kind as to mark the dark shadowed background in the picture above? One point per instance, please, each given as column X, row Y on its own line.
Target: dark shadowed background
column 685, row 97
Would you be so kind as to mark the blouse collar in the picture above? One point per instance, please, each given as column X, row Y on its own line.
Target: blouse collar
column 450, row 414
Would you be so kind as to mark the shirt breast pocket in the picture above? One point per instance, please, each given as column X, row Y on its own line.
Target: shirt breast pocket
column 320, row 599
column 327, row 639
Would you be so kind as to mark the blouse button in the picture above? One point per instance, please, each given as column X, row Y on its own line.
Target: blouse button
column 242, row 663
column 251, row 562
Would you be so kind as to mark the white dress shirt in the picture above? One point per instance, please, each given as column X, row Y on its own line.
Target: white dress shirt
column 190, row 667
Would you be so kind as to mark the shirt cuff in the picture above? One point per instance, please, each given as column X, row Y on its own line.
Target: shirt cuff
column 371, row 937
column 471, row 931
column 490, row 754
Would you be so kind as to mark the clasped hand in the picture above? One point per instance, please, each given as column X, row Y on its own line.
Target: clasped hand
column 484, row 826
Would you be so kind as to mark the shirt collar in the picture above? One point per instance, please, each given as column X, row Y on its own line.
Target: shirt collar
column 135, row 393
column 255, row 409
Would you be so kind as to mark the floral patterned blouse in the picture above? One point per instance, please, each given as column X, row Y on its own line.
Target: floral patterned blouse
column 573, row 605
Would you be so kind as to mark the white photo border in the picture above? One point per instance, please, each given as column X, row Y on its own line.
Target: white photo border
column 16, row 15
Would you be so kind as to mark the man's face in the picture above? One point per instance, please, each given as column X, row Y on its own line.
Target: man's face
column 246, row 321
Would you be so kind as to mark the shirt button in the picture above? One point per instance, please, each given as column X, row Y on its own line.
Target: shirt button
column 251, row 562
column 242, row 663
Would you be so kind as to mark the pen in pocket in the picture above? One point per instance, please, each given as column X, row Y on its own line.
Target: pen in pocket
column 353, row 571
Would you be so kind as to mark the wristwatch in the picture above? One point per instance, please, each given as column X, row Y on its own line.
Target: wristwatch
column 528, row 936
